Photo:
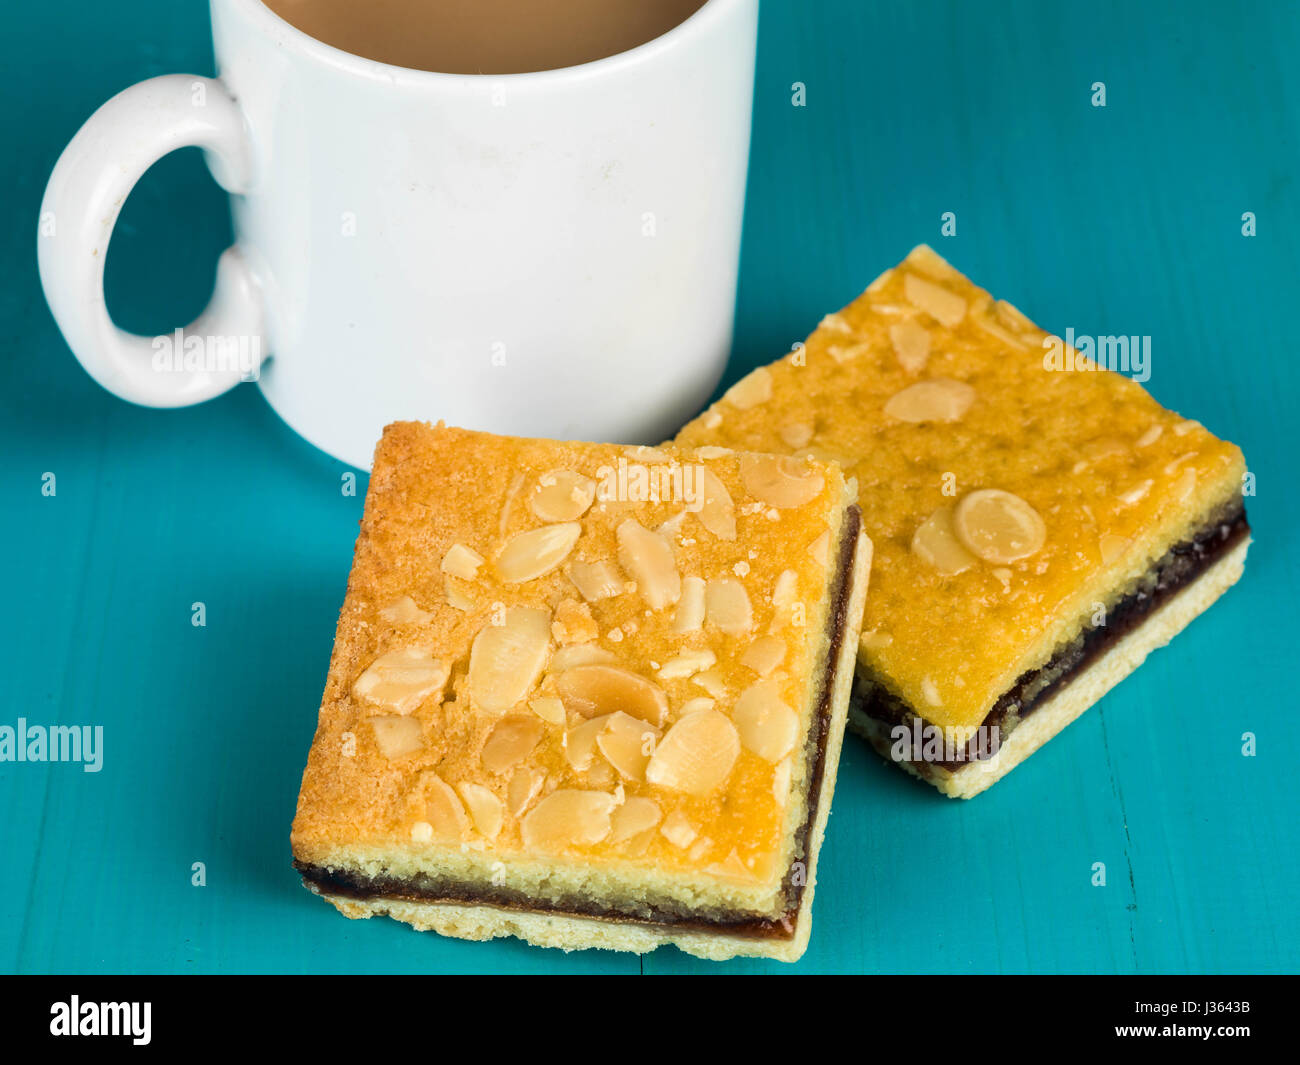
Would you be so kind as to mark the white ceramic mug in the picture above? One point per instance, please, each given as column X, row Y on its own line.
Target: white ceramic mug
column 545, row 254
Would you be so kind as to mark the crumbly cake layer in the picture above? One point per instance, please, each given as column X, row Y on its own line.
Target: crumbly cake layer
column 1011, row 486
column 1184, row 564
column 1085, row 688
column 560, row 674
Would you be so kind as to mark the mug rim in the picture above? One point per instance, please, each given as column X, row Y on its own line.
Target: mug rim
column 348, row 62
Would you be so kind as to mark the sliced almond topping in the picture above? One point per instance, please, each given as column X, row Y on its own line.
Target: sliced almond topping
column 718, row 514
column 943, row 306
column 712, row 681
column 820, row 549
column 548, row 708
column 443, row 810
column 422, row 832
column 562, row 495
column 700, row 848
column 911, row 342
column 713, row 451
column 785, row 597
column 937, row 400
column 461, row 561
column 529, row 555
column 566, row 818
column 711, row 419
column 687, row 664
column 573, row 623
column 678, row 830
column 648, row 558
column 1136, row 494
column 523, row 788
column 842, row 353
column 689, row 615
column 1012, row 317
column 582, row 654
column 403, row 611
column 781, row 781
column 1185, row 427
column 696, row 755
column 506, row 660
column 935, row 543
column 730, row 868
column 781, row 481
column 700, row 702
column 485, row 809
column 1112, row 547
column 764, row 654
column 580, row 742
column 459, row 599
column 397, row 736
column 796, row 434
column 1185, row 485
column 998, row 526
column 627, row 743
column 766, row 723
column 728, row 607
column 876, row 640
column 930, row 691
column 1150, row 436
column 511, row 741
column 751, row 390
column 402, row 680
column 635, row 816
column 593, row 691
column 597, row 580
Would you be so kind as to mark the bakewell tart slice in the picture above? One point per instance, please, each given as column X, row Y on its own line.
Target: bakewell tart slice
column 587, row 695
column 1040, row 523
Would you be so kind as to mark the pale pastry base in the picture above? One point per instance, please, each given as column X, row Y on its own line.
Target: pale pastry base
column 1051, row 716
column 567, row 932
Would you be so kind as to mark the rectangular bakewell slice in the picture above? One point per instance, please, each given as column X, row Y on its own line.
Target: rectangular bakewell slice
column 586, row 695
column 1040, row 523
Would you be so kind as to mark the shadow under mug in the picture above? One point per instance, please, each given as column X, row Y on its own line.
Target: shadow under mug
column 545, row 254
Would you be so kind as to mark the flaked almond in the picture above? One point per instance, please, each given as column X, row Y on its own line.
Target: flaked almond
column 593, row 691
column 998, row 526
column 562, row 495
column 1185, row 485
column 946, row 308
column 911, row 342
column 568, row 818
column 511, row 741
column 689, row 615
column 580, row 742
column 875, row 640
column 727, row 607
column 403, row 611
column 506, row 660
column 627, row 744
column 549, row 708
column 764, row 654
column 458, row 598
column 1150, row 436
column 781, row 481
column 687, row 664
column 731, row 868
column 930, row 692
column 648, row 558
column 678, row 830
column 751, row 390
column 820, row 549
column 766, row 723
column 713, row 451
column 1135, row 494
column 532, row 554
column 401, row 680
column 582, row 654
column 573, row 623
column 397, row 736
column 700, row 702
column 422, row 832
column 443, row 809
column 781, row 781
column 718, row 512
column 935, row 543
column 485, row 809
column 785, row 600
column 461, row 561
column 635, row 816
column 796, row 434
column 713, row 682
column 1112, row 547
column 597, row 580
column 525, row 785
column 696, row 755
column 938, row 400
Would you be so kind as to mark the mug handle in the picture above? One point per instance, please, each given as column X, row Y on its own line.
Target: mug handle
column 90, row 182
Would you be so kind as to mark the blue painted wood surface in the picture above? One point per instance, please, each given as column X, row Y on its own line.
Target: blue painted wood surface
column 1122, row 219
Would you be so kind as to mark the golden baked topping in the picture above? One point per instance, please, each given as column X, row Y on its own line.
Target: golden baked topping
column 935, row 541
column 937, row 400
column 593, row 691
column 998, row 526
column 562, row 495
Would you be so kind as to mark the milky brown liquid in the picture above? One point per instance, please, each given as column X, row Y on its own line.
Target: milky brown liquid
column 484, row 36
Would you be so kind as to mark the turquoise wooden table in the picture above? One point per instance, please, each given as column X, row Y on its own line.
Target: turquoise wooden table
column 1122, row 219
